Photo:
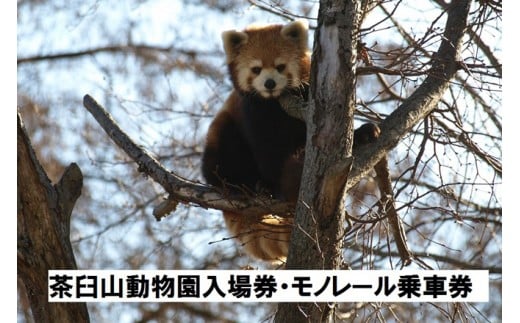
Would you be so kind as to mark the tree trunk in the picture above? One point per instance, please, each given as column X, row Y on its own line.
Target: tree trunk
column 43, row 227
column 319, row 223
column 316, row 241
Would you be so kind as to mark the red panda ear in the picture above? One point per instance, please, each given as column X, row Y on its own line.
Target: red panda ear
column 297, row 31
column 232, row 40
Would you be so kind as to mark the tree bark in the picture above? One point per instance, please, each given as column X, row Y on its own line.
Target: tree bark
column 316, row 241
column 43, row 227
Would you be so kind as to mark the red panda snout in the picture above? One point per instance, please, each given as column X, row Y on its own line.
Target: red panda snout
column 269, row 83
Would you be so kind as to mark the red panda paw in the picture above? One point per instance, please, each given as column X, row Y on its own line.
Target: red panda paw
column 367, row 133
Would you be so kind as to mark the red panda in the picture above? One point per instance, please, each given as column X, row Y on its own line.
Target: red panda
column 253, row 145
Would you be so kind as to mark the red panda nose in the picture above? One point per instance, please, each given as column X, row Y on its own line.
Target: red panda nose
column 270, row 84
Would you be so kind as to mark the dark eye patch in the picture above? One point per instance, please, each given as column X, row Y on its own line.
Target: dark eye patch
column 256, row 70
column 280, row 68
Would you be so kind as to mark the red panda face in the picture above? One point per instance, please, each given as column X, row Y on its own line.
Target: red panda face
column 267, row 80
column 267, row 60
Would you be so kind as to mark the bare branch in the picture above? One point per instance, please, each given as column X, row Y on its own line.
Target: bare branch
column 367, row 70
column 472, row 146
column 478, row 40
column 277, row 10
column 388, row 204
column 423, row 100
column 450, row 260
column 181, row 189
column 130, row 48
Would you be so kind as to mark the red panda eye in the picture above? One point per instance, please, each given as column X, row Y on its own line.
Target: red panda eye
column 280, row 68
column 256, row 70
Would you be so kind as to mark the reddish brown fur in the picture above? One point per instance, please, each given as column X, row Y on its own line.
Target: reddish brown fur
column 252, row 144
column 266, row 44
column 251, row 138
